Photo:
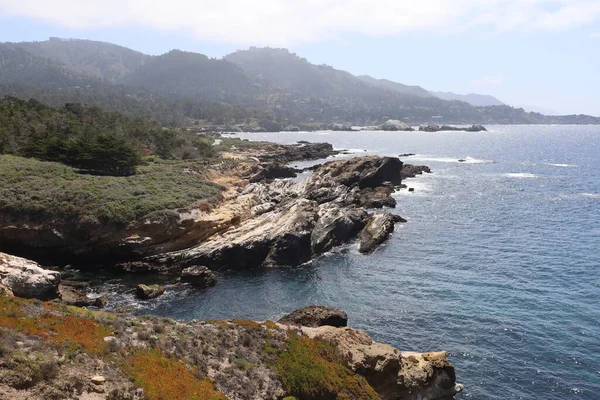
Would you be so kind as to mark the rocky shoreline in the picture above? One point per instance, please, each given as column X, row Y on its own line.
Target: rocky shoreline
column 259, row 221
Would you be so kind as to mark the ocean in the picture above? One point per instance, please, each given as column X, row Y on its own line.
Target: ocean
column 499, row 262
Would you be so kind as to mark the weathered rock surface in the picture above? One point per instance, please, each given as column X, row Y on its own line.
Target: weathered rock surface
column 5, row 291
column 377, row 230
column 394, row 125
column 200, row 277
column 411, row 171
column 75, row 294
column 148, row 292
column 269, row 171
column 393, row 374
column 25, row 278
column 315, row 316
column 297, row 152
column 429, row 128
column 291, row 222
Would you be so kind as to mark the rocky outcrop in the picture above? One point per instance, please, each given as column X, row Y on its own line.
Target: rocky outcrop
column 394, row 125
column 296, row 152
column 200, row 277
column 292, row 222
column 315, row 316
column 148, row 292
column 393, row 374
column 445, row 128
column 75, row 293
column 238, row 359
column 429, row 128
column 25, row 278
column 377, row 230
column 270, row 171
column 411, row 171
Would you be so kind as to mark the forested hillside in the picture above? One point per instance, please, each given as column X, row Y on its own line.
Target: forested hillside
column 260, row 84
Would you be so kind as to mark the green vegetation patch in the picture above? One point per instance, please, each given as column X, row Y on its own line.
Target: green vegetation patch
column 39, row 189
column 311, row 369
column 163, row 377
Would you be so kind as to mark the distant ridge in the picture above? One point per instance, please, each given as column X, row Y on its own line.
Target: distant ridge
column 395, row 86
column 272, row 85
column 471, row 98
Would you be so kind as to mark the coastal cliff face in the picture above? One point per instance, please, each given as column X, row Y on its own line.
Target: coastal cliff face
column 59, row 239
column 52, row 351
column 289, row 223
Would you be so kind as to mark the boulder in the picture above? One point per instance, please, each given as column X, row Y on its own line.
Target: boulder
column 74, row 293
column 200, row 277
column 376, row 231
column 429, row 128
column 392, row 373
column 394, row 125
column 147, row 292
column 315, row 316
column 25, row 278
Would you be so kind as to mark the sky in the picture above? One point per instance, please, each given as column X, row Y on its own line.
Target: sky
column 543, row 53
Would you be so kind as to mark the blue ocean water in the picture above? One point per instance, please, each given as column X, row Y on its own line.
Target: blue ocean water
column 499, row 262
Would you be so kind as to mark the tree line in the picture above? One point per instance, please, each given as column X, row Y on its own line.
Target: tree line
column 90, row 139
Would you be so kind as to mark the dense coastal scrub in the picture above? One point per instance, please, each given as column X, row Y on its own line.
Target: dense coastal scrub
column 50, row 349
column 48, row 190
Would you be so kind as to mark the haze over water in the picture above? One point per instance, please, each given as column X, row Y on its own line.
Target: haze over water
column 498, row 263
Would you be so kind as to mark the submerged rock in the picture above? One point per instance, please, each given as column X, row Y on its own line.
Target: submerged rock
column 315, row 316
column 200, row 277
column 25, row 278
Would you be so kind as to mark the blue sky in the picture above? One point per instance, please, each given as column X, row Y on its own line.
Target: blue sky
column 543, row 53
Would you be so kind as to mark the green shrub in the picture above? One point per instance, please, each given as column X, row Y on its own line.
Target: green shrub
column 311, row 369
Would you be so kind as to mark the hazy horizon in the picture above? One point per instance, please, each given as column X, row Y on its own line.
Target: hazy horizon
column 540, row 53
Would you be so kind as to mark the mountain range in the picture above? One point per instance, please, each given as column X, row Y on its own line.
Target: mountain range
column 264, row 83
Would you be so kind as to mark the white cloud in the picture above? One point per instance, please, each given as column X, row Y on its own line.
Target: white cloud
column 487, row 81
column 281, row 22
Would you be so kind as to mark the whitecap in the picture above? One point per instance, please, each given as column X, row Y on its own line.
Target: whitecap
column 521, row 175
column 592, row 195
column 562, row 165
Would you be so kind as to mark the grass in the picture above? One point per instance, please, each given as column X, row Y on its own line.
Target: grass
column 163, row 377
column 311, row 369
column 38, row 189
column 63, row 329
